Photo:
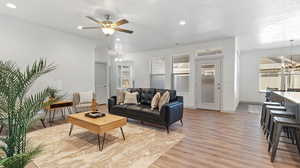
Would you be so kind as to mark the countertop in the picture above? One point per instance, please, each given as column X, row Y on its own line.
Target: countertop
column 292, row 96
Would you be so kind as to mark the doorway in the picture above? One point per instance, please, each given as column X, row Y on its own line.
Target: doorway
column 209, row 84
column 101, row 82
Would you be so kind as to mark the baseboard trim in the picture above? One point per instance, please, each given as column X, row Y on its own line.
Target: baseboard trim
column 251, row 102
column 227, row 111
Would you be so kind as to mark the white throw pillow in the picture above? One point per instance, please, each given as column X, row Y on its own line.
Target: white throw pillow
column 120, row 96
column 164, row 99
column 86, row 97
column 131, row 98
column 155, row 100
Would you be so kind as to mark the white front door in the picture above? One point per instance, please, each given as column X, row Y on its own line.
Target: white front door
column 208, row 84
column 101, row 82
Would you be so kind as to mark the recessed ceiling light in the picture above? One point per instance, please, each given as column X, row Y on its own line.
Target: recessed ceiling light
column 117, row 39
column 182, row 22
column 11, row 5
column 79, row 27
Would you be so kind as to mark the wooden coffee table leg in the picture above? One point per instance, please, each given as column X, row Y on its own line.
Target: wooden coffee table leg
column 103, row 141
column 99, row 144
column 122, row 133
column 71, row 128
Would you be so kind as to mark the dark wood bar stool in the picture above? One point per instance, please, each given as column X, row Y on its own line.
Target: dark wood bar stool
column 279, row 124
column 266, row 127
column 284, row 114
column 263, row 111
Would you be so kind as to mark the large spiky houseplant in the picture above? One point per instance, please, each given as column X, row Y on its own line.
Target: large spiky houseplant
column 19, row 108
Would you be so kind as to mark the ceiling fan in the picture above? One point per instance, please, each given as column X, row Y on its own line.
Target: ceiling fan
column 107, row 26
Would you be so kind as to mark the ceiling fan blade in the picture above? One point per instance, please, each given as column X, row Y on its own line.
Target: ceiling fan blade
column 123, row 30
column 93, row 19
column 95, row 27
column 121, row 22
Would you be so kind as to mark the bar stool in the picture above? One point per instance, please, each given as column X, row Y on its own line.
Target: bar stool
column 276, row 113
column 263, row 111
column 279, row 124
column 267, row 122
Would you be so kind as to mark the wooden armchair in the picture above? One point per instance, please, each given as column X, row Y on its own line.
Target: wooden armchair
column 83, row 101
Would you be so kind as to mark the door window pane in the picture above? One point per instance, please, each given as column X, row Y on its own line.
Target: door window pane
column 208, row 83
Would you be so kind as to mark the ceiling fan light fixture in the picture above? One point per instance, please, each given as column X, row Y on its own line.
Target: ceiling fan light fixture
column 108, row 31
column 11, row 5
column 182, row 22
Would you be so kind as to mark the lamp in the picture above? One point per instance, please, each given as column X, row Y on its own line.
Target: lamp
column 108, row 31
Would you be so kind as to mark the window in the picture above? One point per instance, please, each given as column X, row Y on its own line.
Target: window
column 205, row 52
column 124, row 72
column 280, row 73
column 158, row 72
column 181, row 73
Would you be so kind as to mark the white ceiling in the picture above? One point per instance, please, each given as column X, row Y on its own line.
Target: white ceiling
column 257, row 23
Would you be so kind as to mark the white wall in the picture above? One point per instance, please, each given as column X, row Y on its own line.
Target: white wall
column 142, row 69
column 249, row 69
column 24, row 42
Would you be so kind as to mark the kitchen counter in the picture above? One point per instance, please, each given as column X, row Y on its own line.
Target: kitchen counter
column 291, row 96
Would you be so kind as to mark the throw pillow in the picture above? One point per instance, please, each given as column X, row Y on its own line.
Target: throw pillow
column 155, row 100
column 131, row 98
column 120, row 96
column 164, row 99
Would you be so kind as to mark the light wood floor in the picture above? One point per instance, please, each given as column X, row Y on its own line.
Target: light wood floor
column 215, row 139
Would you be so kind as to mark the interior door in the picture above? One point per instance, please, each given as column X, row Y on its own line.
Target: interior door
column 101, row 82
column 208, row 84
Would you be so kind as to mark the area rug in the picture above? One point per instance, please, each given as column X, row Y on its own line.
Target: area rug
column 143, row 145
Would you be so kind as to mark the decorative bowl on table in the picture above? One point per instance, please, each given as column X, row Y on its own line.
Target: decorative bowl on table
column 94, row 114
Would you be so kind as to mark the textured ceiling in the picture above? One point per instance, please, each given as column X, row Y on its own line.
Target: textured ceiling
column 257, row 23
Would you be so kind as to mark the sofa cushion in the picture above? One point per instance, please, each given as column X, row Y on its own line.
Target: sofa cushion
column 147, row 95
column 120, row 96
column 172, row 93
column 140, row 108
column 131, row 98
column 120, row 106
column 131, row 90
column 149, row 111
column 138, row 112
column 134, row 107
column 164, row 99
column 155, row 100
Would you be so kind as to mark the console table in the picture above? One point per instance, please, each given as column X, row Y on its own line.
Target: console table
column 61, row 106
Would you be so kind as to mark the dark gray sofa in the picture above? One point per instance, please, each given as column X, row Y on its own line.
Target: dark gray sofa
column 169, row 114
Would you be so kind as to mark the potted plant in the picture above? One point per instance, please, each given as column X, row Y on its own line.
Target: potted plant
column 19, row 108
